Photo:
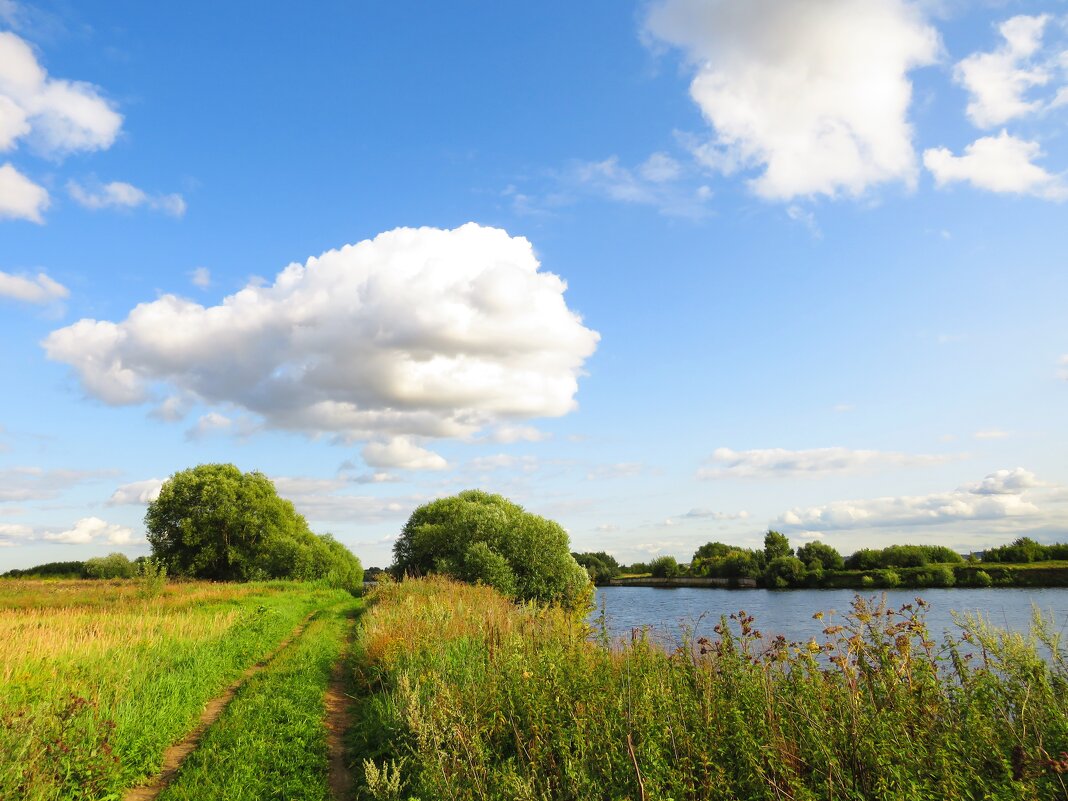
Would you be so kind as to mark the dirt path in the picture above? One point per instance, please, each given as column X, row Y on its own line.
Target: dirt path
column 174, row 756
column 338, row 720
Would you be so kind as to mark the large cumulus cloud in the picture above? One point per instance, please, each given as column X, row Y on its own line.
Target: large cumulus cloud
column 416, row 333
column 813, row 92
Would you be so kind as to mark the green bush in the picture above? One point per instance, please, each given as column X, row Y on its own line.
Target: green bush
column 112, row 566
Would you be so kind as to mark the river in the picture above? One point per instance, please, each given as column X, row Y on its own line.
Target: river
column 668, row 611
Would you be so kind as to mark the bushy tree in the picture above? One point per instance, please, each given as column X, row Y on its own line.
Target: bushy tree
column 719, row 560
column 601, row 566
column 784, row 571
column 665, row 567
column 776, row 546
column 483, row 565
column 215, row 522
column 112, row 566
column 828, row 557
column 439, row 534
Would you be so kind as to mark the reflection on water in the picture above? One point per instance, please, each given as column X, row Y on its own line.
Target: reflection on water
column 668, row 611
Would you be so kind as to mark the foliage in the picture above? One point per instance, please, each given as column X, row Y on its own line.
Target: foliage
column 783, row 572
column 470, row 697
column 601, row 566
column 828, row 557
column 776, row 545
column 896, row 556
column 67, row 570
column 112, row 566
column 665, row 567
column 718, row 560
column 439, row 534
column 1026, row 550
column 215, row 522
column 483, row 565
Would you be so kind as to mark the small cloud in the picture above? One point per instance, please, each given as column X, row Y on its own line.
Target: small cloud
column 701, row 513
column 842, row 408
column 991, row 433
column 1002, row 163
column 39, row 289
column 201, row 277
column 806, row 218
column 782, row 463
column 121, row 195
column 21, row 198
column 137, row 493
column 506, row 435
column 172, row 409
column 208, row 424
column 92, row 529
column 606, row 528
column 1064, row 367
column 401, row 452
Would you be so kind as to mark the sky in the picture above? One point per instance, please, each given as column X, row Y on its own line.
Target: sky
column 666, row 272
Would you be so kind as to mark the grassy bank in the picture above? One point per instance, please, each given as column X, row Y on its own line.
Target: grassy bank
column 96, row 678
column 470, row 697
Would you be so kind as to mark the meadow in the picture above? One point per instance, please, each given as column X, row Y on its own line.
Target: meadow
column 457, row 692
column 98, row 678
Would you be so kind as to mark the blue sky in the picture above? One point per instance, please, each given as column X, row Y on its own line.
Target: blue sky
column 666, row 272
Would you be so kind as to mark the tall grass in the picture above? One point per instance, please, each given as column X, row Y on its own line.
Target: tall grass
column 469, row 697
column 97, row 678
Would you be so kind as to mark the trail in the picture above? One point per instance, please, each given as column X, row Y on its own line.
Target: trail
column 176, row 754
column 338, row 720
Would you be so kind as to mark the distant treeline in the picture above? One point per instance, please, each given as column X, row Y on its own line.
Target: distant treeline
column 115, row 565
column 815, row 564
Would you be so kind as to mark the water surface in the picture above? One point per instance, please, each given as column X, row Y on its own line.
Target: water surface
column 668, row 611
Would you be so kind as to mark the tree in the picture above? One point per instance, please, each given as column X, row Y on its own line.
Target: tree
column 114, row 565
column 784, row 571
column 439, row 535
column 215, row 522
column 828, row 557
column 601, row 566
column 664, row 567
column 483, row 565
column 776, row 546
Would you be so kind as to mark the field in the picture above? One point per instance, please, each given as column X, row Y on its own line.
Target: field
column 453, row 692
column 97, row 679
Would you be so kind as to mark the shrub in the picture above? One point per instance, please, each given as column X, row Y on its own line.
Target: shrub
column 664, row 567
column 112, row 566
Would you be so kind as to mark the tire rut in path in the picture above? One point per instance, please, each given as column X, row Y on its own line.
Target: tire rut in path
column 338, row 720
column 176, row 754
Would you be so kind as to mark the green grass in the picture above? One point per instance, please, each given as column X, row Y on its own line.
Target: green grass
column 270, row 743
column 96, row 681
column 468, row 697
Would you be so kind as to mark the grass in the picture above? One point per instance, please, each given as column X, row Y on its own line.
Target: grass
column 97, row 679
column 469, row 697
column 270, row 742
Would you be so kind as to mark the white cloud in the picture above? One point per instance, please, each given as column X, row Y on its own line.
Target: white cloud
column 1000, row 495
column 998, row 81
column 1005, row 482
column 782, row 463
column 10, row 532
column 1064, row 367
column 999, row 163
column 36, row 483
column 31, row 289
column 701, row 513
column 209, row 423
column 416, row 333
column 20, row 198
column 121, row 195
column 991, row 433
column 201, row 277
column 92, row 529
column 659, row 181
column 507, row 435
column 323, row 500
column 137, row 493
column 402, row 453
column 813, row 92
column 57, row 117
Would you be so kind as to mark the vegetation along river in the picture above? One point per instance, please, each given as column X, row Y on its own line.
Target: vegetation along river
column 667, row 612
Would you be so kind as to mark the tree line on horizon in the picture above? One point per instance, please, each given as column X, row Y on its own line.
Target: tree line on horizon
column 816, row 564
